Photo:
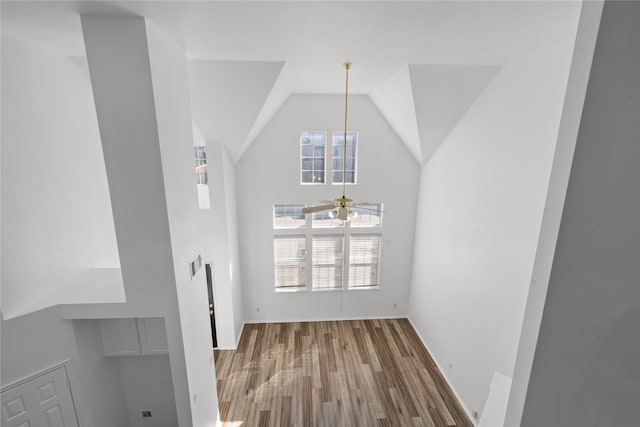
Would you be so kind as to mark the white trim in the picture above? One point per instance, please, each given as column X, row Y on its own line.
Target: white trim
column 307, row 319
column 444, row 374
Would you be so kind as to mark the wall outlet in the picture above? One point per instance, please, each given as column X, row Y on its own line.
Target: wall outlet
column 195, row 397
column 146, row 414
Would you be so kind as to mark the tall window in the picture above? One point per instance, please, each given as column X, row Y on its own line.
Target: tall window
column 202, row 179
column 290, row 258
column 337, row 153
column 312, row 156
column 317, row 252
column 328, row 254
column 364, row 253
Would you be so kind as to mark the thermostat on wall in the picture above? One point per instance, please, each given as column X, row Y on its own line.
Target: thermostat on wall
column 195, row 265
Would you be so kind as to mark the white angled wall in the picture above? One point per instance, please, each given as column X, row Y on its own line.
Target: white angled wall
column 480, row 207
column 586, row 369
column 269, row 173
column 56, row 210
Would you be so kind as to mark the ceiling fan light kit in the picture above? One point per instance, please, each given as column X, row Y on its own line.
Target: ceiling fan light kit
column 342, row 208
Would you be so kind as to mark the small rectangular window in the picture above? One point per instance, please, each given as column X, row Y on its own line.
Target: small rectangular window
column 369, row 215
column 288, row 216
column 327, row 262
column 290, row 259
column 364, row 254
column 202, row 179
column 312, row 157
column 337, row 153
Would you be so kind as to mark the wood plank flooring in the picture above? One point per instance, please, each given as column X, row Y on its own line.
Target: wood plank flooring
column 342, row 373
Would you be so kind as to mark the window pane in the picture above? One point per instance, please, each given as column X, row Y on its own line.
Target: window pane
column 327, row 262
column 369, row 215
column 288, row 216
column 364, row 256
column 323, row 220
column 290, row 261
column 337, row 152
column 312, row 155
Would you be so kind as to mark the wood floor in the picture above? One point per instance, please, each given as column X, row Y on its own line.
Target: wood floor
column 346, row 373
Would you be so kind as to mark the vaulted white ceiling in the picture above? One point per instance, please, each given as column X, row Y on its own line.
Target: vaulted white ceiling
column 423, row 63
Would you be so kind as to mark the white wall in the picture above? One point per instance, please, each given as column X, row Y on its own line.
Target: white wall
column 101, row 389
column 171, row 95
column 140, row 94
column 480, row 206
column 233, row 243
column 56, row 210
column 269, row 173
column 586, row 369
column 218, row 245
column 147, row 386
column 563, row 157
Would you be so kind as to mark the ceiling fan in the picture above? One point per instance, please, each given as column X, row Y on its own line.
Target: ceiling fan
column 342, row 207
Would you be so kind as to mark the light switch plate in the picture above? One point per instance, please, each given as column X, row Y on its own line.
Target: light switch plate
column 195, row 264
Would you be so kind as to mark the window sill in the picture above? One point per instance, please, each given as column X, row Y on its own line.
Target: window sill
column 289, row 290
column 303, row 290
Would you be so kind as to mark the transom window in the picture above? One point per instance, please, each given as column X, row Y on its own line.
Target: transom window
column 288, row 216
column 317, row 252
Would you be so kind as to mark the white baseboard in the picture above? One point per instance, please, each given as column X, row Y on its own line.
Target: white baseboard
column 307, row 319
column 444, row 374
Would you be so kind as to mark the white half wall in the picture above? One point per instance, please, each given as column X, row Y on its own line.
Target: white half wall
column 480, row 208
column 269, row 173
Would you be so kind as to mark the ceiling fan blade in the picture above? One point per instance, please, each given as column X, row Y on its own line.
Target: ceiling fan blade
column 356, row 207
column 311, row 209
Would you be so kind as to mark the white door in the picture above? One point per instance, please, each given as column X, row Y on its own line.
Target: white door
column 44, row 401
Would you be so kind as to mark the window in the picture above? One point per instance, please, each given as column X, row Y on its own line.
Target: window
column 290, row 258
column 369, row 215
column 288, row 216
column 364, row 254
column 320, row 253
column 327, row 262
column 350, row 158
column 202, row 179
column 312, row 156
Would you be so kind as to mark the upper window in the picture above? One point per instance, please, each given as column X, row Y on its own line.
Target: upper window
column 312, row 156
column 338, row 153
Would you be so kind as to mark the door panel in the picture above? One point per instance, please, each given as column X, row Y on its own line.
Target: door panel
column 45, row 400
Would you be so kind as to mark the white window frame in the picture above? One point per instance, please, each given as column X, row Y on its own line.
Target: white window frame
column 313, row 158
column 355, row 159
column 344, row 229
